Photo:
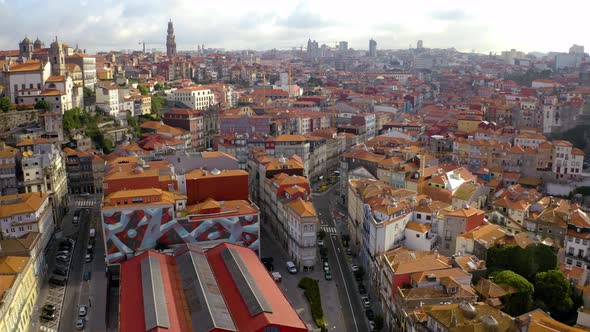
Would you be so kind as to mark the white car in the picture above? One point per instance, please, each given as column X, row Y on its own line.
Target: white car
column 82, row 310
column 366, row 302
column 321, row 243
column 354, row 267
column 62, row 258
column 80, row 324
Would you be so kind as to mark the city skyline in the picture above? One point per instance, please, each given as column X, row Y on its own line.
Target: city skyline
column 110, row 25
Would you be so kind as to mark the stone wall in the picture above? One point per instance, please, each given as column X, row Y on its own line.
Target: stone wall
column 14, row 119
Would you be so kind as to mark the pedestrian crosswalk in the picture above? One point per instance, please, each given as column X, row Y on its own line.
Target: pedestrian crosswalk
column 85, row 203
column 328, row 229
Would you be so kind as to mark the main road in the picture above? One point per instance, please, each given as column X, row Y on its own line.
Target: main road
column 347, row 291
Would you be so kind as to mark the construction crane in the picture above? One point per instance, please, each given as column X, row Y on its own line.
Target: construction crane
column 143, row 43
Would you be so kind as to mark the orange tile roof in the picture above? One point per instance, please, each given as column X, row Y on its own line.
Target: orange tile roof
column 304, row 209
column 418, row 227
column 27, row 66
column 12, row 205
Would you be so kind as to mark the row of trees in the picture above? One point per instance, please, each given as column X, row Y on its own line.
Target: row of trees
column 533, row 274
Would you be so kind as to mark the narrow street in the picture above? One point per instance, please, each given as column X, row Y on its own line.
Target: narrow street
column 348, row 294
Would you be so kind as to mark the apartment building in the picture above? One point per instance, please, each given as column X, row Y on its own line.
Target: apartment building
column 189, row 120
column 198, row 98
column 285, row 204
column 19, row 293
column 43, row 168
column 9, row 169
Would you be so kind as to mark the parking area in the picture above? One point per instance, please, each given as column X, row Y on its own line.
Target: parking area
column 50, row 313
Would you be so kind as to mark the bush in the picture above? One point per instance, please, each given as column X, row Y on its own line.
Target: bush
column 312, row 293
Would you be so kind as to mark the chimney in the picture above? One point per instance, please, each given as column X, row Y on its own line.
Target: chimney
column 453, row 320
column 522, row 323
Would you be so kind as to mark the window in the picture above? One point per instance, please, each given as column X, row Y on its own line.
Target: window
column 568, row 261
column 577, row 240
column 579, row 264
column 418, row 235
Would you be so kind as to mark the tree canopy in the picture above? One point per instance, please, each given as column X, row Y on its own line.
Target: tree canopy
column 43, row 105
column 143, row 90
column 553, row 288
column 5, row 104
column 157, row 104
column 526, row 262
column 520, row 302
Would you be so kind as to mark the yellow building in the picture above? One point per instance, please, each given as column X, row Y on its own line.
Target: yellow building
column 19, row 291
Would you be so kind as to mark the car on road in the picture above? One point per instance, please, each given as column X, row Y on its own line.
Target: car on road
column 370, row 314
column 63, row 253
column 354, row 267
column 88, row 258
column 82, row 310
column 366, row 301
column 326, row 266
column 61, row 272
column 349, row 251
column 277, row 277
column 46, row 317
column 269, row 266
column 291, row 267
column 63, row 258
column 87, row 275
column 362, row 289
column 328, row 275
column 372, row 326
column 80, row 323
column 49, row 307
column 321, row 243
column 267, row 260
column 84, row 195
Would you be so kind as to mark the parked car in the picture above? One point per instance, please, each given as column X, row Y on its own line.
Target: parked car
column 372, row 326
column 349, row 251
column 84, row 195
column 321, row 243
column 267, row 260
column 61, row 272
column 88, row 258
column 291, row 267
column 277, row 277
column 328, row 275
column 46, row 317
column 366, row 301
column 80, row 323
column 62, row 258
column 87, row 275
column 326, row 266
column 362, row 289
column 82, row 310
column 63, row 253
column 370, row 314
column 49, row 307
column 269, row 266
column 354, row 267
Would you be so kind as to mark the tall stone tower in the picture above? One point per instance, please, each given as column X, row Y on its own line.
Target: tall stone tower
column 57, row 58
column 170, row 41
column 26, row 49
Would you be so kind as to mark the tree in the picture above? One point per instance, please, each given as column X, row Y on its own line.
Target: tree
column 143, row 90
column 157, row 104
column 553, row 288
column 159, row 86
column 43, row 105
column 88, row 92
column 526, row 262
column 521, row 301
column 5, row 104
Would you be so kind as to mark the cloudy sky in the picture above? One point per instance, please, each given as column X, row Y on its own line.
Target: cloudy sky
column 263, row 24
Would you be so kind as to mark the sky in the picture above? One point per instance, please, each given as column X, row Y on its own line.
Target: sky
column 104, row 25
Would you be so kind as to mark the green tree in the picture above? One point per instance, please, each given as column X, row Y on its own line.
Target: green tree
column 553, row 288
column 5, row 104
column 157, row 104
column 158, row 86
column 526, row 262
column 43, row 105
column 88, row 92
column 521, row 301
column 72, row 119
column 143, row 90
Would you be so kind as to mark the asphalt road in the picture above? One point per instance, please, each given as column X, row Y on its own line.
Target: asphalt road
column 72, row 295
column 349, row 297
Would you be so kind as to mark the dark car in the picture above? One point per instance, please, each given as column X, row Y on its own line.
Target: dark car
column 362, row 289
column 267, row 260
column 87, row 275
column 46, row 316
column 61, row 272
column 370, row 314
column 49, row 307
column 269, row 266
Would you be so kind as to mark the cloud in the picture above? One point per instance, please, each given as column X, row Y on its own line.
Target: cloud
column 302, row 17
column 449, row 15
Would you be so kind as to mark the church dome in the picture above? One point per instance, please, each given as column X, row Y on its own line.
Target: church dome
column 26, row 40
column 38, row 43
